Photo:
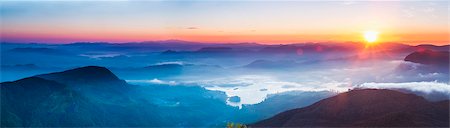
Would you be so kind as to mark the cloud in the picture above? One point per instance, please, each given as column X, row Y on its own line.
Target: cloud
column 429, row 75
column 153, row 81
column 348, row 2
column 255, row 88
column 192, row 28
column 101, row 55
column 409, row 12
column 425, row 87
column 171, row 62
column 250, row 86
column 428, row 9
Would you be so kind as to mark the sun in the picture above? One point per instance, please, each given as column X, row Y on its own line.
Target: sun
column 371, row 36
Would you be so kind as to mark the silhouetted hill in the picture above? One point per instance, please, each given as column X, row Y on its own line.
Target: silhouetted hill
column 277, row 103
column 429, row 57
column 84, row 76
column 31, row 87
column 25, row 94
column 364, row 108
column 37, row 102
column 93, row 96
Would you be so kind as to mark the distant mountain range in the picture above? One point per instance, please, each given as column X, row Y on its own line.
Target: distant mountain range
column 38, row 50
column 365, row 108
column 179, row 45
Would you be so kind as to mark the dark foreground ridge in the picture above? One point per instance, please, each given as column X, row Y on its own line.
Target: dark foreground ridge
column 366, row 107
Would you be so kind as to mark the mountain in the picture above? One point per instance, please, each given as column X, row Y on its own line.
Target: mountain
column 429, row 57
column 85, row 76
column 36, row 101
column 215, row 49
column 39, row 50
column 365, row 108
column 308, row 48
column 277, row 103
column 152, row 46
column 281, row 64
column 95, row 97
column 86, row 96
column 29, row 88
column 425, row 61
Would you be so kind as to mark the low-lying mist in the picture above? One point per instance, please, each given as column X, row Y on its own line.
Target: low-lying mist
column 253, row 77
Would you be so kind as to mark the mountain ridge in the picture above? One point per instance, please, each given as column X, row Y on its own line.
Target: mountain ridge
column 55, row 100
column 84, row 75
column 362, row 108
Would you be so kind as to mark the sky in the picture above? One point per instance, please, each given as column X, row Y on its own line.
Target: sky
column 270, row 22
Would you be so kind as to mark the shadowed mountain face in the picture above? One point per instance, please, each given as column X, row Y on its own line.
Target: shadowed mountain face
column 428, row 57
column 62, row 99
column 367, row 107
column 28, row 90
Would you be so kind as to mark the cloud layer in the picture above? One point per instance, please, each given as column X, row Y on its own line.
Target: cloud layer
column 425, row 87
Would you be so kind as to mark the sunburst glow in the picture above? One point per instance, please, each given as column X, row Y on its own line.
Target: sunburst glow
column 371, row 36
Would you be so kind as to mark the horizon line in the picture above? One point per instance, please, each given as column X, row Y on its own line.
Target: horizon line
column 200, row 42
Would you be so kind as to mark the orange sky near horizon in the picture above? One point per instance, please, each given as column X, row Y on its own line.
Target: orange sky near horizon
column 412, row 39
column 266, row 22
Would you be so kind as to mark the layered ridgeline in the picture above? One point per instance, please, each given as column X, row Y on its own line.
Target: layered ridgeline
column 363, row 108
column 93, row 96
